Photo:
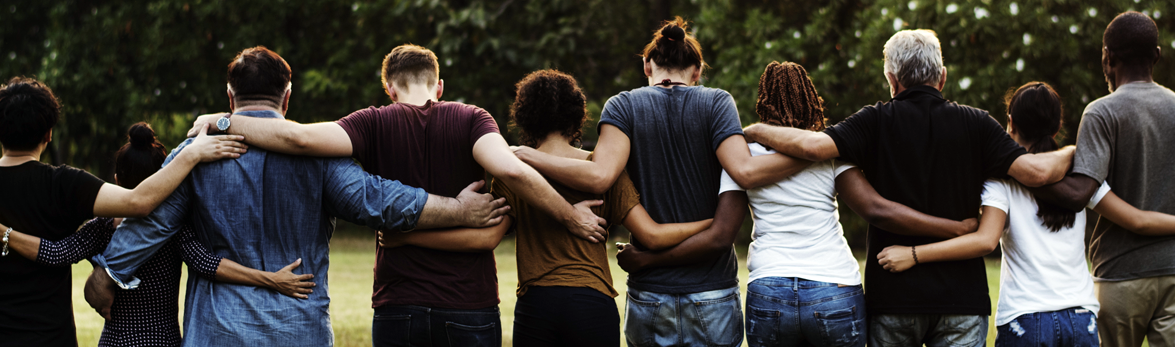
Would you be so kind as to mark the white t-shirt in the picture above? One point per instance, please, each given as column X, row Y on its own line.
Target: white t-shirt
column 1041, row 270
column 797, row 228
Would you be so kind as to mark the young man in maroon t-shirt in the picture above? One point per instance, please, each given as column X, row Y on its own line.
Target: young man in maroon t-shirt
column 446, row 294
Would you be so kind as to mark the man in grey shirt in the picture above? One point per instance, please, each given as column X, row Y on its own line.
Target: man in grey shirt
column 1127, row 139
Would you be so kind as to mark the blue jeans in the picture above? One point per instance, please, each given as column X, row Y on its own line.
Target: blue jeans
column 423, row 326
column 932, row 330
column 712, row 318
column 1069, row 327
column 789, row 311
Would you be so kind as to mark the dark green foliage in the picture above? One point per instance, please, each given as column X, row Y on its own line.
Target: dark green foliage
column 114, row 63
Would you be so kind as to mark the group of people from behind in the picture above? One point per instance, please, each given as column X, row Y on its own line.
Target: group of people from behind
column 672, row 164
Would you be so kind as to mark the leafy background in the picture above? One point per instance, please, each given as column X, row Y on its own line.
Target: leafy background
column 113, row 63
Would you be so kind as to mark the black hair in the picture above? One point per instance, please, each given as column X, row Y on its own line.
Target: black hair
column 140, row 157
column 548, row 101
column 28, row 110
column 259, row 74
column 1132, row 37
column 1036, row 113
column 673, row 48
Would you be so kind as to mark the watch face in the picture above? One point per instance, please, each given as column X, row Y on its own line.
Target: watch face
column 222, row 124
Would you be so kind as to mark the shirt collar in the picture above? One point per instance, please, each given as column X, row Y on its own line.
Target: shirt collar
column 260, row 114
column 914, row 91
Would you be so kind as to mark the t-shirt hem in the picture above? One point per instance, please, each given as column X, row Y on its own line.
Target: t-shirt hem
column 1134, row 276
column 682, row 289
column 439, row 304
column 612, row 294
column 1088, row 173
column 837, row 280
column 1001, row 320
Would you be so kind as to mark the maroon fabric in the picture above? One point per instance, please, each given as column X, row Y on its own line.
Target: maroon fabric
column 430, row 147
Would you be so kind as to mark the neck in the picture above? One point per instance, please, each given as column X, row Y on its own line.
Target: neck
column 13, row 158
column 682, row 76
column 1124, row 77
column 417, row 95
column 257, row 108
column 557, row 144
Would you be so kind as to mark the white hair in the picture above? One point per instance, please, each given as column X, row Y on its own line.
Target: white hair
column 914, row 57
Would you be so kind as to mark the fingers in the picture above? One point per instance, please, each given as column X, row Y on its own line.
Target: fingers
column 592, row 203
column 601, row 222
column 203, row 130
column 304, row 280
column 475, row 186
column 292, row 266
column 620, row 246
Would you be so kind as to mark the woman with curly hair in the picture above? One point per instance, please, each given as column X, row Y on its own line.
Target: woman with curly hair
column 564, row 283
column 805, row 286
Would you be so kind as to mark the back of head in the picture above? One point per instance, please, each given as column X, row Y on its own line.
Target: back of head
column 410, row 64
column 28, row 110
column 548, row 101
column 1133, row 38
column 673, row 48
column 787, row 97
column 1036, row 112
column 914, row 57
column 140, row 157
column 259, row 76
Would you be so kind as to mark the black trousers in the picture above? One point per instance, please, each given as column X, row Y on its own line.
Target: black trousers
column 566, row 316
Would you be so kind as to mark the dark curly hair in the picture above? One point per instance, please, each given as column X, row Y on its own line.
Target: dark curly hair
column 788, row 98
column 548, row 101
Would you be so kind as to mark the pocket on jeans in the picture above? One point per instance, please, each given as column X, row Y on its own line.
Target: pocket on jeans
column 640, row 321
column 841, row 327
column 473, row 335
column 721, row 320
column 391, row 330
column 762, row 326
column 892, row 329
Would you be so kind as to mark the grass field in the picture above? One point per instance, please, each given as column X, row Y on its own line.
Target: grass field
column 352, row 258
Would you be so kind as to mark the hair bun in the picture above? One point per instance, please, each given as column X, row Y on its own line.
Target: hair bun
column 673, row 33
column 141, row 135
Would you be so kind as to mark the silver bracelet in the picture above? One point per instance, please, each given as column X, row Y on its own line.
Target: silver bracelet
column 4, row 253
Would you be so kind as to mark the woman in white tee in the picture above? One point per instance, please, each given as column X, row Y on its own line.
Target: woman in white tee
column 805, row 284
column 1046, row 291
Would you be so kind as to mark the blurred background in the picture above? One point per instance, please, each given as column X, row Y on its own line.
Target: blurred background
column 113, row 63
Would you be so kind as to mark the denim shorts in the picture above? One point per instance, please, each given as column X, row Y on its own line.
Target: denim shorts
column 407, row 325
column 789, row 311
column 711, row 318
column 1069, row 327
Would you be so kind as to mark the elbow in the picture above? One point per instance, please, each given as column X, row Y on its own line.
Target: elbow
column 1037, row 178
column 988, row 246
column 299, row 141
column 744, row 177
column 871, row 213
column 811, row 149
column 139, row 209
column 600, row 183
column 488, row 244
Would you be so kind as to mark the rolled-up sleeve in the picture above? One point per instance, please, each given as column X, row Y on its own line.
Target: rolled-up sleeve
column 365, row 199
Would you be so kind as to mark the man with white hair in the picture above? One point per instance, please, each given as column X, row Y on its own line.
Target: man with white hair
column 933, row 155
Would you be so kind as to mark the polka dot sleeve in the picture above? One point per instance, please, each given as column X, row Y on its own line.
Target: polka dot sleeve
column 199, row 258
column 90, row 240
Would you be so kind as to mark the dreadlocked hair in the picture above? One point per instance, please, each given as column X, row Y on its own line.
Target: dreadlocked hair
column 787, row 97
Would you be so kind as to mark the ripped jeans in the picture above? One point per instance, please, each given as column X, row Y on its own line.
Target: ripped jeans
column 1069, row 327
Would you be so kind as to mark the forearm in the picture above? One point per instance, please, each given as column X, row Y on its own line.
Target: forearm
column 23, row 244
column 532, row 188
column 959, row 248
column 902, row 220
column 327, row 139
column 1039, row 169
column 1072, row 192
column 671, row 234
column 471, row 240
column 710, row 243
column 798, row 143
column 440, row 212
column 582, row 175
column 1148, row 223
column 231, row 272
column 115, row 201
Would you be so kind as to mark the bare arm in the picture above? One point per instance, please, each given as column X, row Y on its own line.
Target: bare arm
column 595, row 176
column 658, row 236
column 492, row 152
column 115, row 201
column 973, row 245
column 856, row 192
column 24, row 244
column 283, row 281
column 470, row 240
column 1140, row 222
column 1038, row 169
column 469, row 208
column 326, row 139
column 799, row 143
column 1073, row 192
column 753, row 172
column 710, row 243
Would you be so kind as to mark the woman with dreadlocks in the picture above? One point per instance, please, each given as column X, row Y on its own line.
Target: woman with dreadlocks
column 805, row 285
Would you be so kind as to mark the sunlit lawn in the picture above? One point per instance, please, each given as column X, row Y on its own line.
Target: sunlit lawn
column 352, row 257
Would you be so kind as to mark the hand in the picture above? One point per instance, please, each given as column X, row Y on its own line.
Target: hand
column 207, row 119
column 585, row 223
column 751, row 131
column 99, row 292
column 969, row 225
column 288, row 283
column 896, row 258
column 630, row 258
column 482, row 210
column 208, row 148
column 522, row 152
column 392, row 241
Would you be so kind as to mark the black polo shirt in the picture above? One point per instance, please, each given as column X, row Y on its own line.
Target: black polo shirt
column 932, row 155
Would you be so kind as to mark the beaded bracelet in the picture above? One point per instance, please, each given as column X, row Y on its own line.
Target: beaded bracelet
column 914, row 252
column 4, row 253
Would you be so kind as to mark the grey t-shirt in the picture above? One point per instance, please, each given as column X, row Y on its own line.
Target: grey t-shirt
column 674, row 135
column 1128, row 139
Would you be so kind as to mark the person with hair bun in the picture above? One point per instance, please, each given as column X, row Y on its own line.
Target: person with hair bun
column 673, row 138
column 50, row 202
column 805, row 285
column 149, row 316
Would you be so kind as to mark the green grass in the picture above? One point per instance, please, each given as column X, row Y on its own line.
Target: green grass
column 352, row 259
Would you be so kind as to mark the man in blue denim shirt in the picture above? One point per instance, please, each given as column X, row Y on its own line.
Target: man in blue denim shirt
column 265, row 210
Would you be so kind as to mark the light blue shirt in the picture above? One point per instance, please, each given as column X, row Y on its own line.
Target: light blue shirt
column 263, row 210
